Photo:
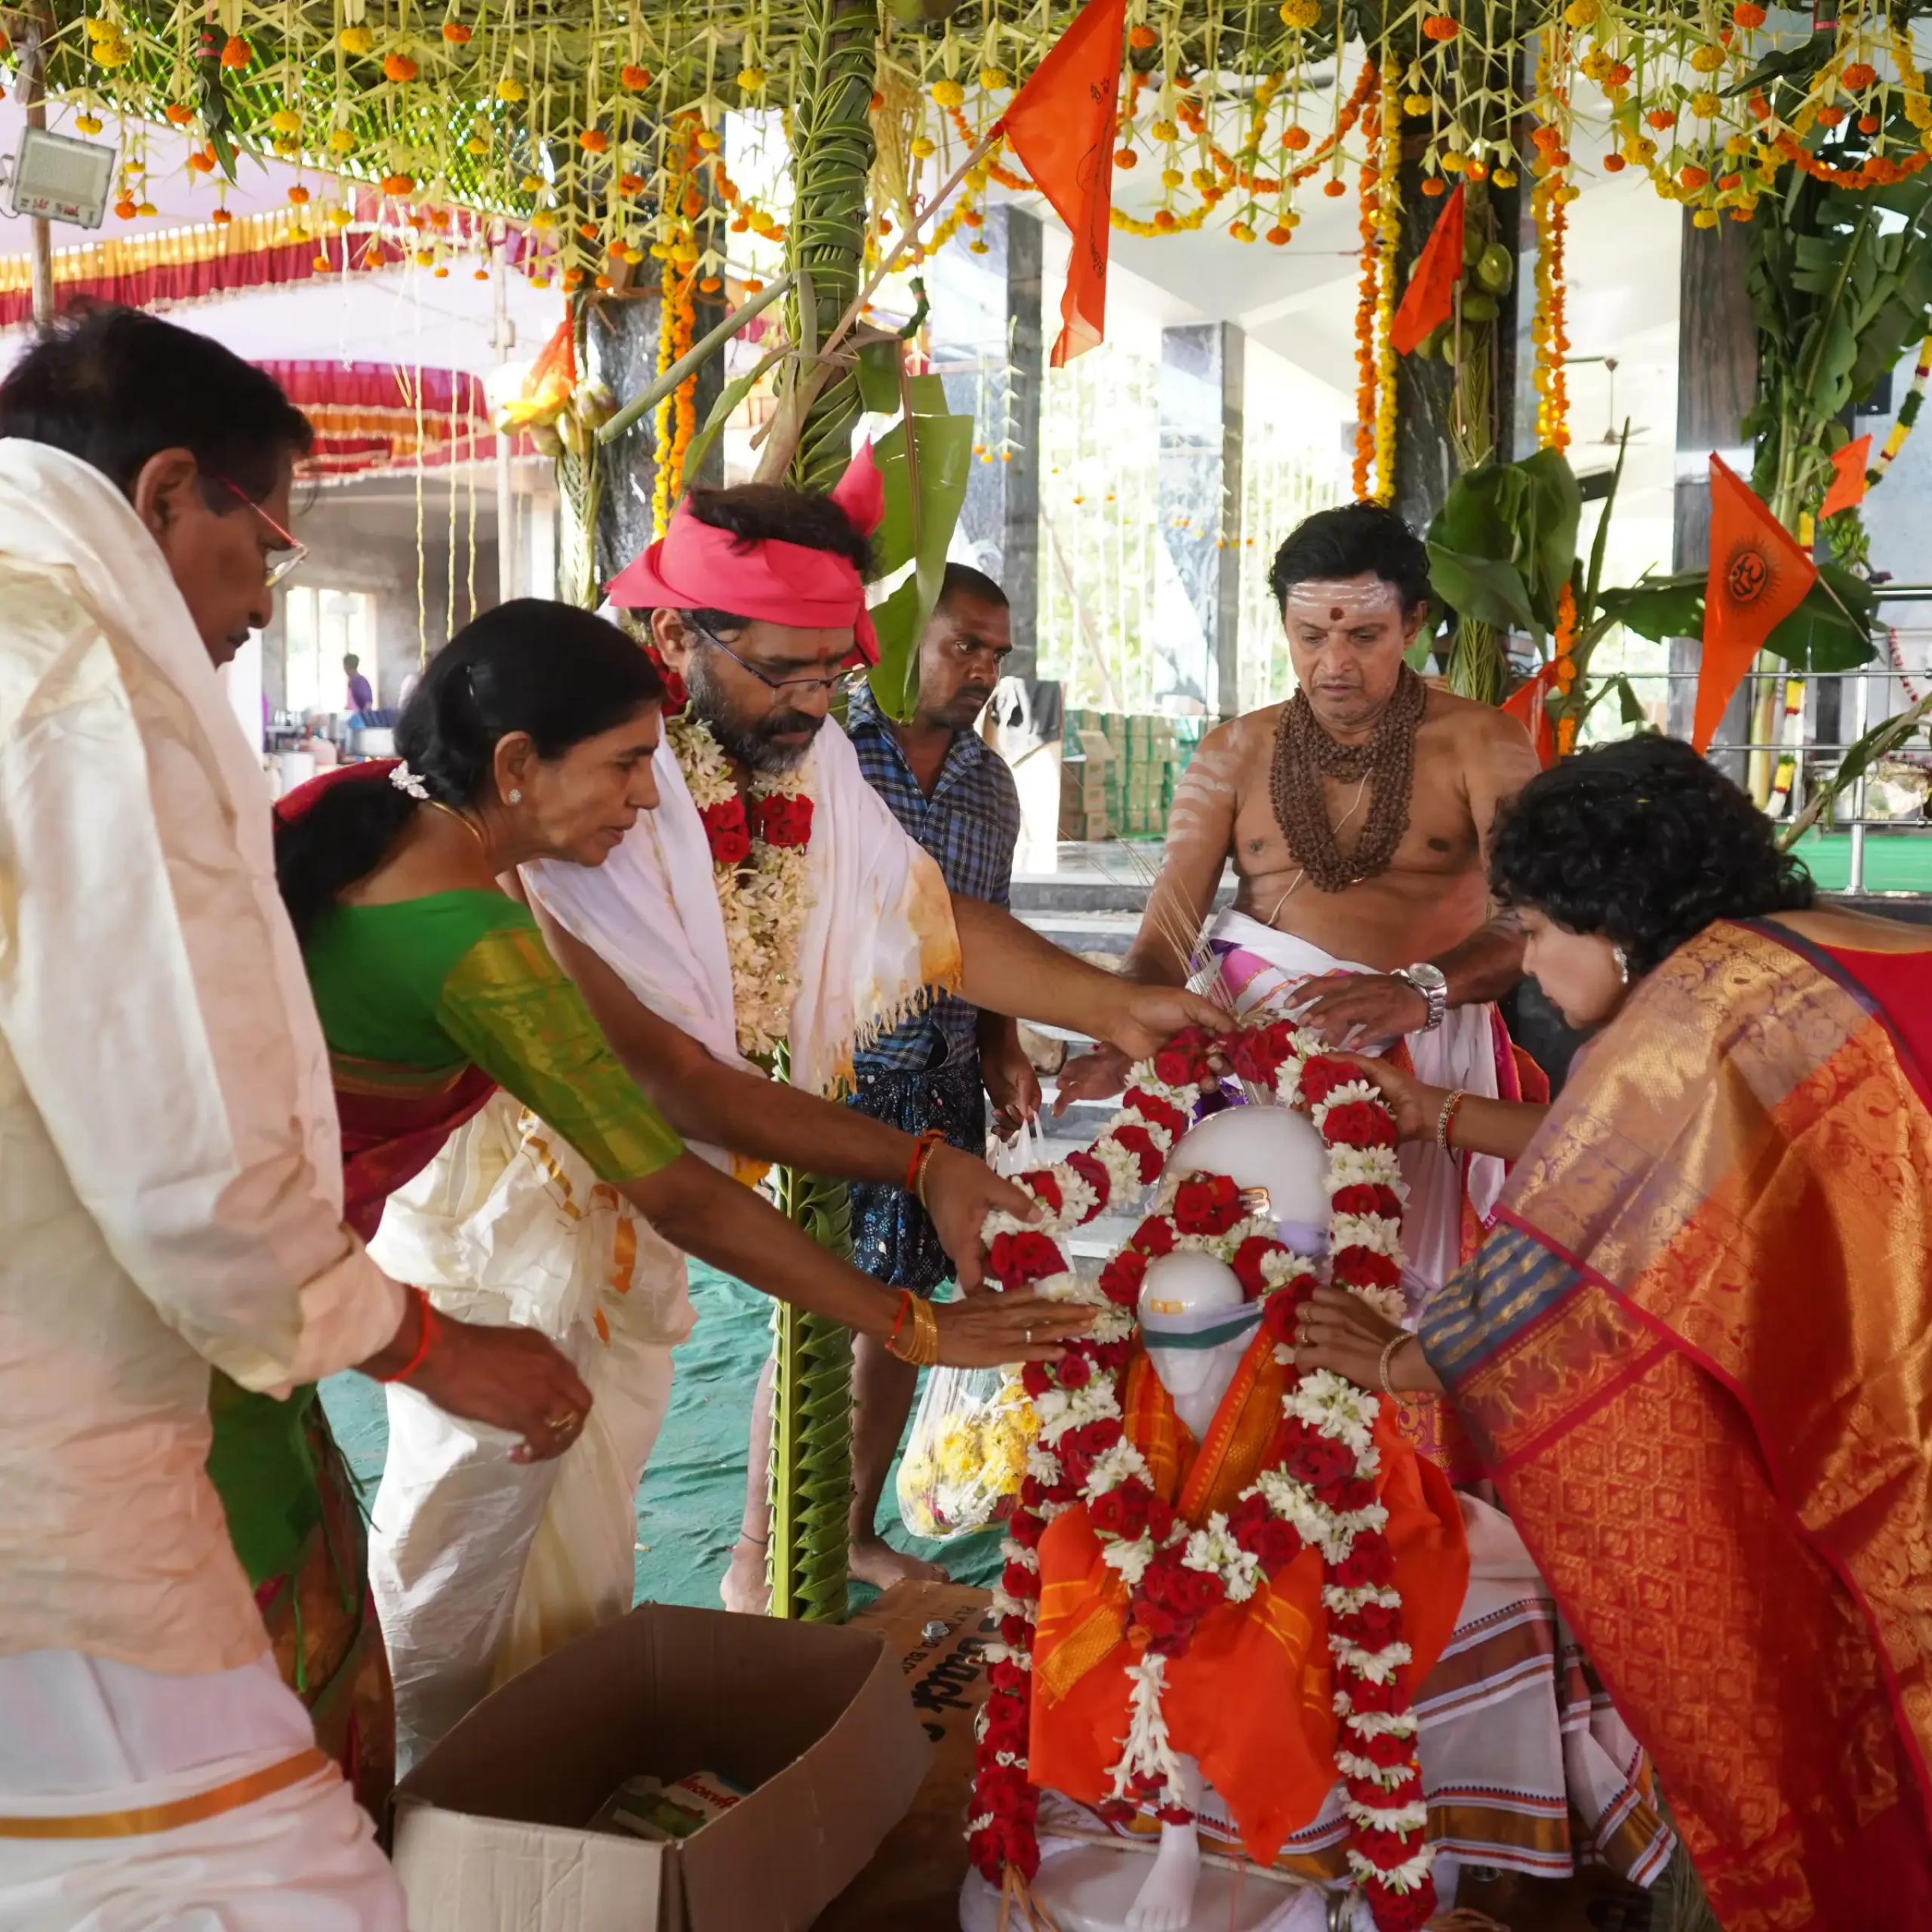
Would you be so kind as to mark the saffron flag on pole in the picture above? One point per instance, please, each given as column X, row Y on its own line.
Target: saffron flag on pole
column 1430, row 297
column 1847, row 489
column 1062, row 124
column 1526, row 704
column 1758, row 576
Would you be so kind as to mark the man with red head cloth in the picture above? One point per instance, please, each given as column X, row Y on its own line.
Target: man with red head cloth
column 771, row 901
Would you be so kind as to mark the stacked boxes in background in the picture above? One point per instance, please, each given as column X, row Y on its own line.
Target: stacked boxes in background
column 1121, row 772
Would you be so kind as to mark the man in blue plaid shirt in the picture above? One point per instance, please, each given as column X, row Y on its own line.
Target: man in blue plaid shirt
column 954, row 794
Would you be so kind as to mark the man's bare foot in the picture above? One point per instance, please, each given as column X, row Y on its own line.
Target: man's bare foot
column 745, row 1588
column 876, row 1562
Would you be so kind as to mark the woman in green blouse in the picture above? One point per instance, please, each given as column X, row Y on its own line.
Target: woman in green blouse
column 530, row 736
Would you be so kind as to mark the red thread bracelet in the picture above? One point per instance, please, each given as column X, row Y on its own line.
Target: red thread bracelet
column 423, row 1340
column 922, row 1152
column 898, row 1320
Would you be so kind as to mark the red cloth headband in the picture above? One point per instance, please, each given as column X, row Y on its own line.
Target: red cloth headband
column 694, row 567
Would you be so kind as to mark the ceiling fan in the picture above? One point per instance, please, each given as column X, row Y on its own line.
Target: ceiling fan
column 1612, row 434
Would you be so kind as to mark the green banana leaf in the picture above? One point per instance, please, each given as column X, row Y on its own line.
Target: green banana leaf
column 1504, row 542
column 1659, row 608
column 1832, row 630
column 1486, row 589
column 926, row 460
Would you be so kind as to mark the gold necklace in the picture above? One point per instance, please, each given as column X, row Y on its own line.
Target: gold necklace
column 449, row 811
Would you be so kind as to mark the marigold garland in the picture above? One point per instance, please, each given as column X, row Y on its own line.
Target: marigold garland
column 1549, row 200
column 1320, row 1490
column 1388, row 219
column 675, row 420
column 1367, row 368
column 1564, row 657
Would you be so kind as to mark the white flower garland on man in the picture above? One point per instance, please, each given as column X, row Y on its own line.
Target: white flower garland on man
column 1320, row 1490
column 758, row 858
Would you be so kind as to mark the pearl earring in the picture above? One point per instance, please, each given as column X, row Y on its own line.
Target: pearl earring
column 1617, row 953
column 516, row 798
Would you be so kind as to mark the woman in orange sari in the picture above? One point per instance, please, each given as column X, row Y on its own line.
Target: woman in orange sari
column 1695, row 1352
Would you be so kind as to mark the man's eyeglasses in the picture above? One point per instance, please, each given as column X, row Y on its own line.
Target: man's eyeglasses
column 838, row 683
column 274, row 568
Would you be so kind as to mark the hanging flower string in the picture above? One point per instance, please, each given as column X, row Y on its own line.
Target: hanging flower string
column 1361, row 477
column 1389, row 225
column 1319, row 1491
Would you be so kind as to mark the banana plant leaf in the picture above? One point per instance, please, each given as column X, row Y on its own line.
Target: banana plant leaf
column 926, row 459
column 1658, row 607
column 1832, row 630
column 1504, row 542
column 1486, row 589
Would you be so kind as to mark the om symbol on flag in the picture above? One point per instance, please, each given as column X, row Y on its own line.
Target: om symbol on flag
column 1746, row 574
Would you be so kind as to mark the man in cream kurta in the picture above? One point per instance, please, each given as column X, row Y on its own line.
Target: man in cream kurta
column 170, row 1178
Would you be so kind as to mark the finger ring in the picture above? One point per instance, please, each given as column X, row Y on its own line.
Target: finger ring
column 568, row 1420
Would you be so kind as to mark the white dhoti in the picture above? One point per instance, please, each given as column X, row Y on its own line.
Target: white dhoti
column 1259, row 966
column 480, row 1565
column 248, row 1828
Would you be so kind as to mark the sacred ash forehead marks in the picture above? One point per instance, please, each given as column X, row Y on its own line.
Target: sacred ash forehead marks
column 1341, row 604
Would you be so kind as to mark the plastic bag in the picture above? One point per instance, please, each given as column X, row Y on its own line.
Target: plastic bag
column 966, row 1455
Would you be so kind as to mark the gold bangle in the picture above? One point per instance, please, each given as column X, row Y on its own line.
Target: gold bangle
column 925, row 1334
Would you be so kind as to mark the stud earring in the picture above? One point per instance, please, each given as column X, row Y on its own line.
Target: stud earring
column 516, row 798
column 1617, row 953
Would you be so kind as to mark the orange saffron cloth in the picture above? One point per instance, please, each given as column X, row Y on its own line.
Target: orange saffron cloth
column 1252, row 1699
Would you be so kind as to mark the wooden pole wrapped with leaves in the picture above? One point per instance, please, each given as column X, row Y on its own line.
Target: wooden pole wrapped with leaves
column 811, row 1403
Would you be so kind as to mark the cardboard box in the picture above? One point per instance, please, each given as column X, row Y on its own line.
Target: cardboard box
column 815, row 1720
column 912, row 1883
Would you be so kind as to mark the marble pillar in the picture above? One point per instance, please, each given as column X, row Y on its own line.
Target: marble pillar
column 1197, row 592
column 986, row 347
column 1717, row 382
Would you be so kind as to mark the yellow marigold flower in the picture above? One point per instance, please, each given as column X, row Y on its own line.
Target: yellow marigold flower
column 1415, row 103
column 1299, row 13
column 476, row 145
column 993, row 79
column 1165, row 131
column 114, row 52
column 285, row 120
column 424, row 257
column 509, row 88
column 146, row 208
column 1581, row 13
column 710, row 140
column 1707, row 60
column 751, row 79
column 356, row 40
column 100, row 29
column 1704, row 105
column 543, row 218
column 923, row 150
column 531, row 184
column 1704, row 218
column 1171, row 177
column 948, row 93
column 341, row 141
column 1240, row 230
column 87, row 124
column 1504, row 178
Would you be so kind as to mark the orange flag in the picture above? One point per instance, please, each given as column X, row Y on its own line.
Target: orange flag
column 1525, row 704
column 1758, row 576
column 1431, row 295
column 1062, row 125
column 1847, row 489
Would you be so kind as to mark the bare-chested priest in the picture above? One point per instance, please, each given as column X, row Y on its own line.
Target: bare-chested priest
column 1358, row 816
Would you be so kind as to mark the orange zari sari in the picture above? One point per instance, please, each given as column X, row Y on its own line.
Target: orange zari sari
column 1251, row 1700
column 1696, row 1355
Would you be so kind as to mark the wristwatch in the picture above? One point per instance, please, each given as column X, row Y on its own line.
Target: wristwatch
column 1428, row 981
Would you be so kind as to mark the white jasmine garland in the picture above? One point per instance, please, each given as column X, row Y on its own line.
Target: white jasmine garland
column 1364, row 1167
column 1410, row 1817
column 1374, row 1232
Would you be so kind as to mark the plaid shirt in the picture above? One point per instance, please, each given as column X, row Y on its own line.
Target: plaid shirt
column 970, row 825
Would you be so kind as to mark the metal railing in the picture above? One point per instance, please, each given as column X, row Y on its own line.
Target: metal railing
column 1795, row 759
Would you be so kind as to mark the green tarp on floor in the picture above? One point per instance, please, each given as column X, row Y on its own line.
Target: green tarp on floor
column 688, row 1506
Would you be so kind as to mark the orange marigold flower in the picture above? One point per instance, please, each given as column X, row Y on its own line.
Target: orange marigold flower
column 399, row 67
column 455, row 32
column 1619, row 75
column 636, row 78
column 1435, row 185
column 1126, row 158
column 1163, row 220
column 1143, row 37
column 1748, row 14
column 1440, row 26
column 711, row 284
column 1614, row 163
column 593, row 140
column 588, row 230
column 221, row 218
column 1760, row 108
column 1295, row 139
column 1278, row 236
column 398, row 184
column 125, row 208
column 1830, row 116
column 298, row 194
column 1334, row 189
column 1868, row 124
column 1692, row 177
column 1860, row 75
column 1661, row 117
column 178, row 115
column 237, row 53
column 629, row 184
column 201, row 162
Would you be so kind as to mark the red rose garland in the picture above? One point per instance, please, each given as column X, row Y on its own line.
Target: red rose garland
column 1322, row 1490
